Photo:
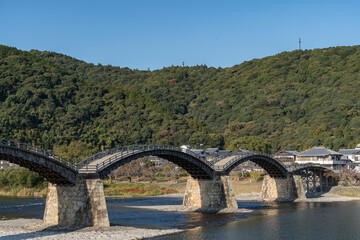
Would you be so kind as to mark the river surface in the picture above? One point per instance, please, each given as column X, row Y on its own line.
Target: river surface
column 339, row 220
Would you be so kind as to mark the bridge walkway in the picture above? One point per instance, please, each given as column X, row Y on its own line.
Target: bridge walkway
column 91, row 167
column 218, row 165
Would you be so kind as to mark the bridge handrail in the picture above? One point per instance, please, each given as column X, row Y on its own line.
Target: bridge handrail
column 239, row 156
column 123, row 151
column 37, row 150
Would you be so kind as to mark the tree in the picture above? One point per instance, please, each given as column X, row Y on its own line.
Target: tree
column 252, row 143
column 76, row 151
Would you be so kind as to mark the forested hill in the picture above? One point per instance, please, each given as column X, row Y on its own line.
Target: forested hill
column 295, row 100
column 44, row 104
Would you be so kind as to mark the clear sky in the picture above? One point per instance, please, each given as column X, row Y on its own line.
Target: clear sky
column 156, row 33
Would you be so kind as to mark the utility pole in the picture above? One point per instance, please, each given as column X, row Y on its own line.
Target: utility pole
column 299, row 43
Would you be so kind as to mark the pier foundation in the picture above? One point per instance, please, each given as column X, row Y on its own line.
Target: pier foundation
column 80, row 205
column 279, row 189
column 210, row 195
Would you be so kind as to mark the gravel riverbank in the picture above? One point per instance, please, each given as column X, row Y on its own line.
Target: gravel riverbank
column 20, row 229
column 325, row 197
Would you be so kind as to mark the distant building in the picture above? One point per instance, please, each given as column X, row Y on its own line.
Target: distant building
column 324, row 157
column 243, row 150
column 185, row 147
column 157, row 161
column 210, row 154
column 351, row 154
column 200, row 152
column 357, row 147
column 286, row 156
column 5, row 165
column 213, row 153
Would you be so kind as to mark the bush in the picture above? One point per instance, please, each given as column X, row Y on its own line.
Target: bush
column 256, row 175
column 21, row 177
column 244, row 174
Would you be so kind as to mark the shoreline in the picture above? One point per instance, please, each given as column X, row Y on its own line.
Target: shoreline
column 18, row 229
column 21, row 228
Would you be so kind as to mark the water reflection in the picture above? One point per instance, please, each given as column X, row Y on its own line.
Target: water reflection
column 267, row 221
column 289, row 221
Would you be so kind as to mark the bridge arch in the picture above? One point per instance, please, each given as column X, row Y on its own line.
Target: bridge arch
column 273, row 167
column 105, row 162
column 48, row 165
column 298, row 170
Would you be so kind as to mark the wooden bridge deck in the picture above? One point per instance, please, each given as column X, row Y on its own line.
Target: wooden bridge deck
column 224, row 161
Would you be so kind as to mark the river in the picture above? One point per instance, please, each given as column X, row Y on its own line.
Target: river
column 337, row 220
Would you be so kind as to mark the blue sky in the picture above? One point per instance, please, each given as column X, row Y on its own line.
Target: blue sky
column 156, row 33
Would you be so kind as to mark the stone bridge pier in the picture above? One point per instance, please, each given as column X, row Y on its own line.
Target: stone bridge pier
column 210, row 195
column 282, row 189
column 80, row 205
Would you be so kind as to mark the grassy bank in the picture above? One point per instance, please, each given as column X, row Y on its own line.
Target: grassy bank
column 351, row 191
column 246, row 187
column 129, row 190
column 23, row 192
column 123, row 189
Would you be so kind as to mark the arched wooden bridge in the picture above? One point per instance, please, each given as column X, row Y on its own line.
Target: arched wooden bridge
column 53, row 168
column 56, row 169
column 105, row 162
column 76, row 196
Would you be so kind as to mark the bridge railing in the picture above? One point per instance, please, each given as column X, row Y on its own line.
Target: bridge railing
column 37, row 150
column 238, row 156
column 124, row 151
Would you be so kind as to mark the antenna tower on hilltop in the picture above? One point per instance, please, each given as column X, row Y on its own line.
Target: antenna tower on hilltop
column 299, row 43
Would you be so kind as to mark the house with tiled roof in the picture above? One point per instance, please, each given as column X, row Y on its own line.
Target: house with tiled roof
column 286, row 156
column 351, row 154
column 324, row 157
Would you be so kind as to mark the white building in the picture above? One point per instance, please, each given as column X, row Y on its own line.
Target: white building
column 324, row 157
column 352, row 154
column 5, row 165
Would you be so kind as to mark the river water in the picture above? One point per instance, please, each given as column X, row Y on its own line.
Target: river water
column 339, row 220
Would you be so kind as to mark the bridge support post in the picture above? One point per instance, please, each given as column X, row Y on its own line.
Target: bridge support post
column 279, row 189
column 80, row 205
column 210, row 195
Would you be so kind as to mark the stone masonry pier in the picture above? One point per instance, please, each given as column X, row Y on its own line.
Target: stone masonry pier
column 80, row 205
column 210, row 195
column 282, row 189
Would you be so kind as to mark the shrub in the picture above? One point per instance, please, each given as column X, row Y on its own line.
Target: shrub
column 256, row 175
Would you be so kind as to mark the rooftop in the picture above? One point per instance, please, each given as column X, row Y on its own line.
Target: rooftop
column 319, row 151
column 349, row 151
column 289, row 151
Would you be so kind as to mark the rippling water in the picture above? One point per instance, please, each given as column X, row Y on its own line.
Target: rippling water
column 268, row 221
column 290, row 221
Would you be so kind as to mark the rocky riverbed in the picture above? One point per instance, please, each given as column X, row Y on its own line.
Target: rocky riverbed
column 20, row 229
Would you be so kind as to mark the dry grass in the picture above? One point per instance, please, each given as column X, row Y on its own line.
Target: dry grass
column 246, row 187
column 352, row 191
column 24, row 192
column 129, row 190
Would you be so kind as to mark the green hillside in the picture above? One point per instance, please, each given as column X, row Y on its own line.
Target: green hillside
column 46, row 105
column 296, row 100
